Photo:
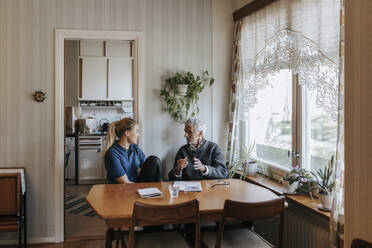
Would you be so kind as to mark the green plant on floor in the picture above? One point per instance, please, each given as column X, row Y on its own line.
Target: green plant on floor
column 240, row 165
column 183, row 106
column 324, row 178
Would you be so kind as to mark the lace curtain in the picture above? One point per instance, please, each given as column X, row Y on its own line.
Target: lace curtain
column 300, row 35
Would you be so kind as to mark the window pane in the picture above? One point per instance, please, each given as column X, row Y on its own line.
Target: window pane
column 270, row 121
column 320, row 134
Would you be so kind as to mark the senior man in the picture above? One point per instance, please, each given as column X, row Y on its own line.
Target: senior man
column 199, row 158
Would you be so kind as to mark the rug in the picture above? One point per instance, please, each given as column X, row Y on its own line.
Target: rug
column 78, row 205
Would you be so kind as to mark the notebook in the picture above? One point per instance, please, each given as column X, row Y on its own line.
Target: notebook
column 150, row 193
column 188, row 186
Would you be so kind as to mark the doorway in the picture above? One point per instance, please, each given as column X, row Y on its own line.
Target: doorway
column 79, row 222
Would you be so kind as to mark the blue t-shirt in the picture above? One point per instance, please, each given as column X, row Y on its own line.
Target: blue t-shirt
column 120, row 161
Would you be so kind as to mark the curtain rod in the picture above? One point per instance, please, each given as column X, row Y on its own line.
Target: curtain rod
column 250, row 8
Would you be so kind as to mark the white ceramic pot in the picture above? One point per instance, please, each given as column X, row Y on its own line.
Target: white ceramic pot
column 252, row 168
column 290, row 188
column 182, row 89
column 326, row 201
column 287, row 186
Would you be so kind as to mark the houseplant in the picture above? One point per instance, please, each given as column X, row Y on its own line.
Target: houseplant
column 300, row 181
column 181, row 93
column 244, row 164
column 325, row 184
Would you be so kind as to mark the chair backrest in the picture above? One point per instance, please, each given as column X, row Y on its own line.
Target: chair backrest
column 253, row 211
column 10, row 193
column 359, row 243
column 148, row 214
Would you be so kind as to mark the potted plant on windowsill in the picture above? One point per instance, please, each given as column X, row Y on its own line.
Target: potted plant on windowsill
column 299, row 180
column 325, row 184
column 244, row 165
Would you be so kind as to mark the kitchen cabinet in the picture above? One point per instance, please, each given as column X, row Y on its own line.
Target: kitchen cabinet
column 94, row 78
column 92, row 48
column 106, row 70
column 120, row 78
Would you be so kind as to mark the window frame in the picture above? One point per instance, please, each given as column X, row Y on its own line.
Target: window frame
column 300, row 144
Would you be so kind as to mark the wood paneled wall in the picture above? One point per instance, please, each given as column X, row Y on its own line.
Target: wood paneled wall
column 358, row 120
column 177, row 36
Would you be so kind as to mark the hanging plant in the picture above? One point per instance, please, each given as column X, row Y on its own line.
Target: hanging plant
column 181, row 94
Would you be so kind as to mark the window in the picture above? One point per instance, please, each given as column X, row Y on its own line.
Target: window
column 287, row 127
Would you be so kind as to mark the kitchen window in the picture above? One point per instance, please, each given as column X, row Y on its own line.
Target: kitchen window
column 287, row 127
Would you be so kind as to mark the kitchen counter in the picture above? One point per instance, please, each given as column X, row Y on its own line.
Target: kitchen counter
column 76, row 135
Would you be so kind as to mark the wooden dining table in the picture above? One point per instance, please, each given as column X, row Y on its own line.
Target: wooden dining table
column 114, row 202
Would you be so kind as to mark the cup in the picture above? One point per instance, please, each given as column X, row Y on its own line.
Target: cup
column 173, row 191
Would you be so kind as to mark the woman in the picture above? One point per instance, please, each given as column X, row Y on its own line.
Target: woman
column 124, row 160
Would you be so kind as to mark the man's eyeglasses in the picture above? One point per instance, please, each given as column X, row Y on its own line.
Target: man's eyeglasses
column 221, row 182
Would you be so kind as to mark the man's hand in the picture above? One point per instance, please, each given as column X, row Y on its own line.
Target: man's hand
column 198, row 165
column 181, row 163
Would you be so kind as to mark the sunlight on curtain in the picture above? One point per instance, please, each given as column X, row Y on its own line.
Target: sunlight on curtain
column 337, row 217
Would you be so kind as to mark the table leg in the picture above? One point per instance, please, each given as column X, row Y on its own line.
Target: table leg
column 188, row 233
column 76, row 158
column 109, row 238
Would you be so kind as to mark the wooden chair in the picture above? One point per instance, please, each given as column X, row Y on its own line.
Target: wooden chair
column 249, row 211
column 12, row 206
column 149, row 215
column 359, row 243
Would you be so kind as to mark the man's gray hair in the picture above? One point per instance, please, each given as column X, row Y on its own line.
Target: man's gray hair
column 197, row 124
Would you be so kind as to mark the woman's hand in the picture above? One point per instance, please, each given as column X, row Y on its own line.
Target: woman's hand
column 123, row 179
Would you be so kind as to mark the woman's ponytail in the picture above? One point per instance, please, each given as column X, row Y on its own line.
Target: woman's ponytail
column 117, row 129
column 111, row 137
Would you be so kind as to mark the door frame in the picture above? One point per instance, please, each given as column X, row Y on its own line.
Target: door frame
column 74, row 34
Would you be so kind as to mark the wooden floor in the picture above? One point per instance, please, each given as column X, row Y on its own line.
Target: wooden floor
column 67, row 244
column 79, row 227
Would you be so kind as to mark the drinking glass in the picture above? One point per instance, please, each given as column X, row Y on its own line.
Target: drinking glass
column 173, row 191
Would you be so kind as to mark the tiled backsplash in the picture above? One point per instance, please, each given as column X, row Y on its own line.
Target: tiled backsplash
column 109, row 114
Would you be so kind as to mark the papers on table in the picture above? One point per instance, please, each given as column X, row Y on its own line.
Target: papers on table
column 150, row 193
column 188, row 186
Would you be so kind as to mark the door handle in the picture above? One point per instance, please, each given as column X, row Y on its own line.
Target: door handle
column 294, row 154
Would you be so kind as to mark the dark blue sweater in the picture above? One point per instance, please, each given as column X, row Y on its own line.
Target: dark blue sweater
column 120, row 161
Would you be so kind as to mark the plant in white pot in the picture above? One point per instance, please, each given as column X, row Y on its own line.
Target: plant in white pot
column 181, row 94
column 298, row 180
column 244, row 165
column 326, row 184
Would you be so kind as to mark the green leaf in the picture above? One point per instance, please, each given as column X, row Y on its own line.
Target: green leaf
column 211, row 81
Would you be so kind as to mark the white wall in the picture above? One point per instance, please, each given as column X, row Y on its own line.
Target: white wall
column 177, row 36
column 222, row 23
